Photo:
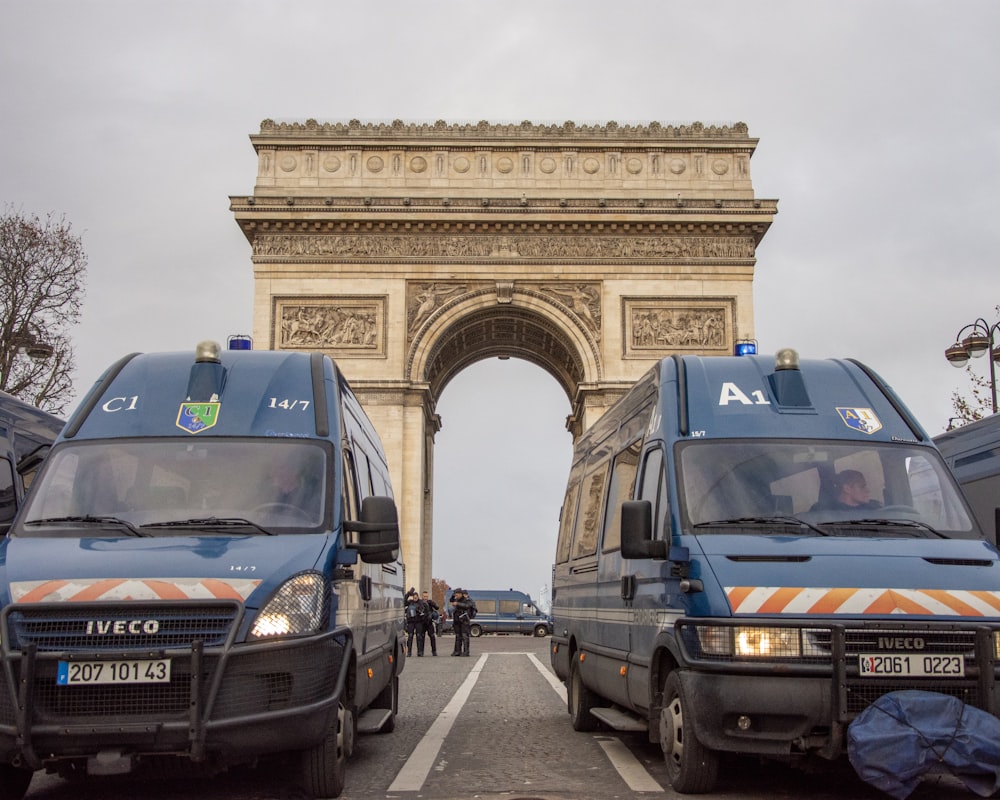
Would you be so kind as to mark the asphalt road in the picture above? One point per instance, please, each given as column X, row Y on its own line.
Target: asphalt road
column 493, row 726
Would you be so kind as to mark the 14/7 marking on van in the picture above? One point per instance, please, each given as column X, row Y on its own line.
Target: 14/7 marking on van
column 288, row 405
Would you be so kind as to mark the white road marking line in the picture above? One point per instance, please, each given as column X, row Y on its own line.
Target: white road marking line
column 414, row 772
column 627, row 765
column 554, row 682
column 621, row 758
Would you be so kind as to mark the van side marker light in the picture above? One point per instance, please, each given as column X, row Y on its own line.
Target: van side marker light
column 582, row 656
column 623, row 671
column 371, row 673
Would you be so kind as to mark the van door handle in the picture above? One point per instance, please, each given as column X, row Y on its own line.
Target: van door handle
column 365, row 588
column 628, row 588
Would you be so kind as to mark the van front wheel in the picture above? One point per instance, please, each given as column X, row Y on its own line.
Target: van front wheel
column 540, row 631
column 476, row 631
column 580, row 700
column 324, row 767
column 691, row 767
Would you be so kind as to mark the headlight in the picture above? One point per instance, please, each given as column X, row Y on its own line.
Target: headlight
column 299, row 606
column 750, row 642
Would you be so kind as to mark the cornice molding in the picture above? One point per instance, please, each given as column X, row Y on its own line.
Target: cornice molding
column 526, row 130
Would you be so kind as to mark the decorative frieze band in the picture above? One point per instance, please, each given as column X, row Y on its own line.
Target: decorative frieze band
column 569, row 246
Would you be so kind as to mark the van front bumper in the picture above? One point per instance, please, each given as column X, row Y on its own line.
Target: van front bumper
column 224, row 704
column 784, row 705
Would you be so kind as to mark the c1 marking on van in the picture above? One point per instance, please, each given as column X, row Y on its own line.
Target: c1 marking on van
column 866, row 601
column 732, row 392
column 197, row 417
column 120, row 404
column 127, row 589
column 860, row 419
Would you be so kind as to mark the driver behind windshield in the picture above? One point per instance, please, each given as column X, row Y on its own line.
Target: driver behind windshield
column 853, row 492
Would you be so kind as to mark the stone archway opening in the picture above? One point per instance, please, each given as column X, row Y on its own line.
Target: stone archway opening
column 511, row 333
column 499, row 473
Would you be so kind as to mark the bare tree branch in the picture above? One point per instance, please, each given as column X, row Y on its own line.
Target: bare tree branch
column 42, row 272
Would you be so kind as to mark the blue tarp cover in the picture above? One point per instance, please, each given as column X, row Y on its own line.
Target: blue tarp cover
column 905, row 735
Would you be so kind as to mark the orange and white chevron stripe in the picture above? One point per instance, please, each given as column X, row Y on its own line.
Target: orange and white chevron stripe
column 131, row 589
column 863, row 601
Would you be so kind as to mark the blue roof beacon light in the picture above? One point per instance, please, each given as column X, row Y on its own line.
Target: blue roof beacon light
column 745, row 347
column 240, row 342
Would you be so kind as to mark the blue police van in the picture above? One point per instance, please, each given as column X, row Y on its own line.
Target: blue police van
column 26, row 434
column 507, row 611
column 206, row 570
column 973, row 453
column 752, row 550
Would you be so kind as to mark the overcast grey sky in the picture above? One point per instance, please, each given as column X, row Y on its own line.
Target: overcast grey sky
column 879, row 128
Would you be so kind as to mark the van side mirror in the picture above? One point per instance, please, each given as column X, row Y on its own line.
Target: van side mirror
column 377, row 529
column 637, row 531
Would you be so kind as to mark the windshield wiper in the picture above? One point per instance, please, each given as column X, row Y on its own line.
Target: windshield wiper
column 210, row 523
column 873, row 522
column 89, row 520
column 755, row 521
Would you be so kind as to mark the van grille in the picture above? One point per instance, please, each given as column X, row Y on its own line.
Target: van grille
column 90, row 629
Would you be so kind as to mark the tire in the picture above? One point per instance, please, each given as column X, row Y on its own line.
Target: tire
column 388, row 698
column 541, row 631
column 476, row 630
column 14, row 782
column 324, row 767
column 580, row 700
column 691, row 767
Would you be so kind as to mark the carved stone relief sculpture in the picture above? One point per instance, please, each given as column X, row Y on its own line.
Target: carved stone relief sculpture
column 503, row 246
column 583, row 299
column 668, row 326
column 346, row 325
column 423, row 299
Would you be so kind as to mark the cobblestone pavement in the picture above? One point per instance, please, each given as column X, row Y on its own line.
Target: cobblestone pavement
column 510, row 740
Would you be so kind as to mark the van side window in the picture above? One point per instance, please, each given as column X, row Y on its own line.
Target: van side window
column 364, row 474
column 8, row 498
column 351, row 503
column 622, row 488
column 591, row 502
column 653, row 489
column 567, row 518
column 512, row 607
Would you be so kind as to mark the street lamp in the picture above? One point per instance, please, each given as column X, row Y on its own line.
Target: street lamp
column 977, row 343
column 24, row 341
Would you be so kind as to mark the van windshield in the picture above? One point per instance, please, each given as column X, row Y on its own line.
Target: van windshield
column 840, row 488
column 155, row 487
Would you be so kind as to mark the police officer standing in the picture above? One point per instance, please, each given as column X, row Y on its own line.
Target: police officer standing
column 415, row 612
column 463, row 611
column 430, row 624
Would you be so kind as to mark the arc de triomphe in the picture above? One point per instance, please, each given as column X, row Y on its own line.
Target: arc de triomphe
column 409, row 251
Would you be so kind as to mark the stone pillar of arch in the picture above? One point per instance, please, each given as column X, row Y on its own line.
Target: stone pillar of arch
column 408, row 252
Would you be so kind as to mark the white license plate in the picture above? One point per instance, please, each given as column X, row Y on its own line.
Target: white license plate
column 89, row 673
column 911, row 665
